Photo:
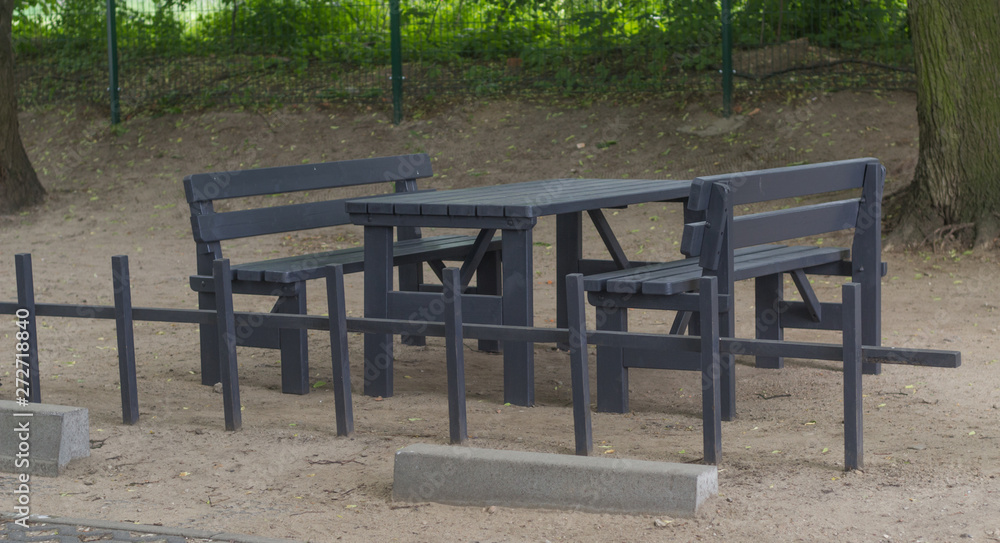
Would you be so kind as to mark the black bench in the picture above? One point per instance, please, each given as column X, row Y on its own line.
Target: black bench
column 286, row 277
column 742, row 248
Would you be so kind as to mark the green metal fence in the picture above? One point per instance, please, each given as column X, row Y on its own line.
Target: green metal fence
column 176, row 52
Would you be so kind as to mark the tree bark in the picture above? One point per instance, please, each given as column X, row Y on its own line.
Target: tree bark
column 19, row 186
column 957, row 51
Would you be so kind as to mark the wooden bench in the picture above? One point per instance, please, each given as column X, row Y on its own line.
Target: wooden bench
column 744, row 248
column 286, row 277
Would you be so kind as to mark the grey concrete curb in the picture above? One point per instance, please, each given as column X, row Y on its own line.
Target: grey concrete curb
column 483, row 477
column 189, row 533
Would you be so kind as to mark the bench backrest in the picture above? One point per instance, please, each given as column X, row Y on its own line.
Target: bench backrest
column 715, row 196
column 208, row 226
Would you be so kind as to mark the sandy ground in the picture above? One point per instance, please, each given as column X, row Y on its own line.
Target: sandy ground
column 931, row 459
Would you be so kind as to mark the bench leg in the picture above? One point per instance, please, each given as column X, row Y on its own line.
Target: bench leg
column 871, row 304
column 488, row 282
column 294, row 345
column 612, row 375
column 411, row 276
column 378, row 283
column 853, row 426
column 454, row 355
column 210, row 373
column 769, row 294
column 518, row 356
column 711, row 371
column 727, row 362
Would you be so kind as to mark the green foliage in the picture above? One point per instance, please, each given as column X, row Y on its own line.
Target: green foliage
column 487, row 45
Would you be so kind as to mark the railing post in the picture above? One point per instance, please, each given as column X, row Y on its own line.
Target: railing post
column 727, row 58
column 26, row 301
column 396, row 52
column 126, row 338
column 113, row 63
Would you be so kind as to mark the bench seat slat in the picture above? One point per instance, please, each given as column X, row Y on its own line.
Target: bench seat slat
column 682, row 275
column 311, row 266
column 629, row 281
column 754, row 265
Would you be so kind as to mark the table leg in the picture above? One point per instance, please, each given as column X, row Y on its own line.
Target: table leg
column 518, row 356
column 378, row 283
column 569, row 251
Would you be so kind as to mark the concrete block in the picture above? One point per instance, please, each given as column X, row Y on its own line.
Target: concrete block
column 484, row 477
column 55, row 435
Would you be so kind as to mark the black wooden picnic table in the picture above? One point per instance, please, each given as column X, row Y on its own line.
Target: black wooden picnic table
column 513, row 209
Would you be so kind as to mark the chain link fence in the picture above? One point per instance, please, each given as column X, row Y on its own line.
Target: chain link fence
column 173, row 53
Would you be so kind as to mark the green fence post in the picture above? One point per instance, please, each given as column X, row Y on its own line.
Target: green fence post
column 396, row 51
column 727, row 58
column 113, row 62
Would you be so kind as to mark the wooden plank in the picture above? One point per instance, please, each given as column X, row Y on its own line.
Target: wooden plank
column 609, row 239
column 454, row 357
column 797, row 315
column 426, row 306
column 808, row 294
column 791, row 258
column 443, row 221
column 632, row 279
column 126, row 339
column 537, row 198
column 677, row 302
column 746, row 267
column 236, row 184
column 593, row 266
column 911, row 357
column 506, row 332
column 660, row 360
column 681, row 320
column 268, row 220
column 793, row 181
column 311, row 266
column 476, row 253
column 792, row 223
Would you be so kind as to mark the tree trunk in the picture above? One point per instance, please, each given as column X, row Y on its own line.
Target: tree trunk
column 19, row 186
column 957, row 50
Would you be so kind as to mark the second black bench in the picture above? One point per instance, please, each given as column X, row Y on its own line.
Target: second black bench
column 286, row 277
column 743, row 248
